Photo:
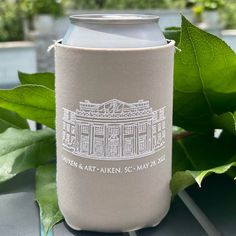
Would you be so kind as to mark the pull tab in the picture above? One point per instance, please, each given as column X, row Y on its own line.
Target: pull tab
column 50, row 47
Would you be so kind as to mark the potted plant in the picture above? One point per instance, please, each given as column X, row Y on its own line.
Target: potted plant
column 46, row 11
column 12, row 44
column 228, row 17
column 206, row 11
column 40, row 14
column 198, row 10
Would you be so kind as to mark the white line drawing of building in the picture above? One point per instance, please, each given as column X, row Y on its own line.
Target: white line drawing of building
column 68, row 133
column 113, row 130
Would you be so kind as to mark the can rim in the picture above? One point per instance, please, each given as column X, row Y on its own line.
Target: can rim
column 114, row 18
column 170, row 43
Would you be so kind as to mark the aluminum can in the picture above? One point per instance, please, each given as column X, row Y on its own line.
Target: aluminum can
column 114, row 90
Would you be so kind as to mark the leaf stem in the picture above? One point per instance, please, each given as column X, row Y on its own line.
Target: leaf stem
column 182, row 135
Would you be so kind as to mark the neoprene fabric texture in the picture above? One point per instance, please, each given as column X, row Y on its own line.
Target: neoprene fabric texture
column 114, row 134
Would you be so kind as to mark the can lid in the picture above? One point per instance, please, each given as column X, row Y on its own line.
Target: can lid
column 113, row 18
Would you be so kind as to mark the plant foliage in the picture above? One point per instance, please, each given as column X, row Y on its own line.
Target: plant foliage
column 11, row 23
column 46, row 196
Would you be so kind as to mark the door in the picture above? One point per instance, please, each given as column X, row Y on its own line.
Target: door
column 113, row 141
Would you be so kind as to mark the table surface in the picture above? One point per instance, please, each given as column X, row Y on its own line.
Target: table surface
column 210, row 210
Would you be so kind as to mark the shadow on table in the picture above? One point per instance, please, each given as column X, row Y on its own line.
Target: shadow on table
column 64, row 230
column 178, row 222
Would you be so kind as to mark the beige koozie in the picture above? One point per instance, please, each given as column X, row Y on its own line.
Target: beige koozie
column 114, row 135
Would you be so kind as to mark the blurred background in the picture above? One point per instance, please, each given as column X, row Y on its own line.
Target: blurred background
column 28, row 27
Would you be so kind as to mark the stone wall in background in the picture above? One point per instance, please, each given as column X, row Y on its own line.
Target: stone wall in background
column 14, row 57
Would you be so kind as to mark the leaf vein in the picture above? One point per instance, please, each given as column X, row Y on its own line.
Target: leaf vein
column 200, row 73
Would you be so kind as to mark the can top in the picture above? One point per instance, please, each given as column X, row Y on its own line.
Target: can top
column 113, row 18
column 114, row 31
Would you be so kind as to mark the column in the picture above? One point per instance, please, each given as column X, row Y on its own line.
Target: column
column 122, row 141
column 105, row 140
column 76, row 135
column 90, row 138
column 136, row 138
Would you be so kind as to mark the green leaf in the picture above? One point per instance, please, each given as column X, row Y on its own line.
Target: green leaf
column 46, row 79
column 197, row 156
column 46, row 196
column 173, row 33
column 21, row 150
column 226, row 121
column 34, row 102
column 11, row 119
column 204, row 79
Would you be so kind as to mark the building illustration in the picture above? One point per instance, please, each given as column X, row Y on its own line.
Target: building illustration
column 113, row 130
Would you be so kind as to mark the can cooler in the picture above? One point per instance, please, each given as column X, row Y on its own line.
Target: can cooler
column 114, row 136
